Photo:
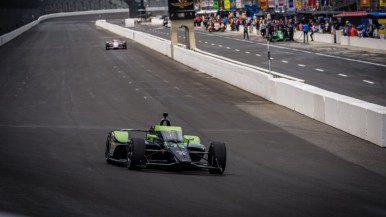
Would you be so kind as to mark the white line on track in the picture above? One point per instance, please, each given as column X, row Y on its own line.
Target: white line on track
column 247, row 52
column 301, row 65
column 220, row 45
column 213, row 44
column 206, row 42
column 343, row 75
column 284, row 61
column 325, row 55
column 237, row 50
column 258, row 55
column 320, row 70
column 370, row 82
column 271, row 58
column 303, row 51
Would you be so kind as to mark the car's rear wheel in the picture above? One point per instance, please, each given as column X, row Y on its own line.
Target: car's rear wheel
column 217, row 157
column 136, row 154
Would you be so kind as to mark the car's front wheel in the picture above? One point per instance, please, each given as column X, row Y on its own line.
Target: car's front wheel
column 135, row 154
column 107, row 150
column 217, row 157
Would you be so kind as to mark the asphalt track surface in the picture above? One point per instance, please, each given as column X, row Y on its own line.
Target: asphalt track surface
column 355, row 72
column 61, row 92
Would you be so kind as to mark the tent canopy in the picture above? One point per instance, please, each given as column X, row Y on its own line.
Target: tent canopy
column 352, row 14
column 378, row 14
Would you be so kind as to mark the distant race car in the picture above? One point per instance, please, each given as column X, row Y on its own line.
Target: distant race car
column 116, row 44
column 164, row 146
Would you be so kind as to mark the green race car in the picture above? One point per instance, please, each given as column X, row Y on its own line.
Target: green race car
column 164, row 146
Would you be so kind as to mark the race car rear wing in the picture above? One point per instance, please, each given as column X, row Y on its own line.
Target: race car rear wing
column 135, row 130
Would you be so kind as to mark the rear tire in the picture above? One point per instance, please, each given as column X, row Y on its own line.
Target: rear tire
column 217, row 157
column 136, row 154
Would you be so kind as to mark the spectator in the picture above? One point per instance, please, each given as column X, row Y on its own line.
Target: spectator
column 232, row 23
column 250, row 26
column 237, row 23
column 305, row 29
column 225, row 21
column 353, row 31
column 314, row 28
column 327, row 27
column 263, row 29
column 205, row 22
column 346, row 28
column 300, row 26
column 369, row 30
column 364, row 33
column 291, row 30
column 245, row 24
column 257, row 23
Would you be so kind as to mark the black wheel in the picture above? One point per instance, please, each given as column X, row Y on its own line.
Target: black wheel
column 107, row 47
column 107, row 150
column 217, row 157
column 135, row 154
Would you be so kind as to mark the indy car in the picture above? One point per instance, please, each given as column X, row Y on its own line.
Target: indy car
column 164, row 146
column 116, row 44
column 276, row 36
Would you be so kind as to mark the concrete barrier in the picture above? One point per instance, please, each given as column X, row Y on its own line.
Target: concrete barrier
column 15, row 33
column 130, row 22
column 245, row 78
column 157, row 21
column 371, row 43
column 338, row 35
column 318, row 37
column 11, row 35
column 359, row 118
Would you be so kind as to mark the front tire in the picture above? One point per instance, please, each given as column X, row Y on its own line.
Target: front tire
column 107, row 150
column 136, row 154
column 217, row 157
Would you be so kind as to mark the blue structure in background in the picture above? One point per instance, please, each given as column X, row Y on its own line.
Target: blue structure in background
column 252, row 10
